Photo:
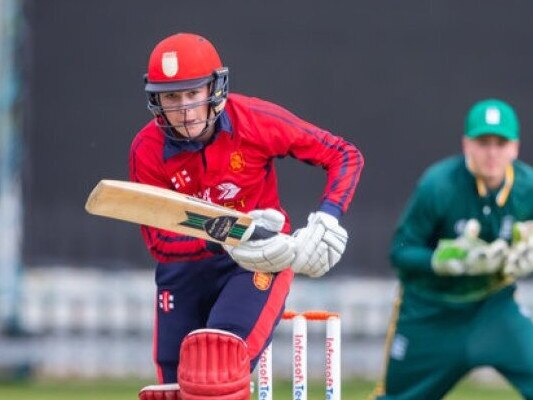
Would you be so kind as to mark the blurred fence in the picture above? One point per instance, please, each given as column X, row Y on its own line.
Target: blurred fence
column 93, row 323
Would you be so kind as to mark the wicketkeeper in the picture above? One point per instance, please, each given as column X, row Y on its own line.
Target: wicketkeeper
column 217, row 307
column 461, row 243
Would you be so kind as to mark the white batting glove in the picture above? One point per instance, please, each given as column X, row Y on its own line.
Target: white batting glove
column 266, row 255
column 519, row 261
column 169, row 391
column 320, row 245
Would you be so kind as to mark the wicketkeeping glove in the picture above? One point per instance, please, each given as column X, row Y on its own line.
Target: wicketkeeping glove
column 266, row 255
column 449, row 256
column 519, row 261
column 486, row 258
column 320, row 245
column 469, row 255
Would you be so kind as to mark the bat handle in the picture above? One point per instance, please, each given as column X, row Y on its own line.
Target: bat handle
column 261, row 233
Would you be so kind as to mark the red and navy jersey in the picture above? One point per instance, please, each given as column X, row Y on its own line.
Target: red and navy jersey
column 236, row 168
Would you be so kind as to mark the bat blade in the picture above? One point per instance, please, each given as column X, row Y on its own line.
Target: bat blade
column 166, row 209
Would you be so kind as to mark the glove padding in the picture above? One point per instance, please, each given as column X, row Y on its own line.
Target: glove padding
column 450, row 255
column 320, row 245
column 266, row 255
column 519, row 262
column 486, row 258
column 469, row 255
column 169, row 391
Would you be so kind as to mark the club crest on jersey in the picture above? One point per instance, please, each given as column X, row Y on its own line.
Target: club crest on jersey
column 236, row 161
column 166, row 301
column 180, row 179
column 262, row 280
column 169, row 63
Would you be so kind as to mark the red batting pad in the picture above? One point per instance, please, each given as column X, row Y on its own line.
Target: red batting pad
column 160, row 392
column 214, row 364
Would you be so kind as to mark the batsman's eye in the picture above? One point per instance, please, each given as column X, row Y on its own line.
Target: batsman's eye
column 169, row 96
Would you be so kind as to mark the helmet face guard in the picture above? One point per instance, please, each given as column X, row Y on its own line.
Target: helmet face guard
column 217, row 96
column 184, row 62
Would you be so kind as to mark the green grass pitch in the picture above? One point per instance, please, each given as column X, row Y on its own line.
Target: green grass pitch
column 127, row 390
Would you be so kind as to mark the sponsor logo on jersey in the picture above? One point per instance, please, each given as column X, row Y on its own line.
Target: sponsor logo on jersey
column 239, row 204
column 224, row 194
column 205, row 195
column 236, row 161
column 166, row 301
column 228, row 191
column 262, row 280
column 506, row 228
column 180, row 179
column 169, row 63
column 460, row 227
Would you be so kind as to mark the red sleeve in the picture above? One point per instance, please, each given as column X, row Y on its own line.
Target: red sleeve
column 285, row 134
column 146, row 167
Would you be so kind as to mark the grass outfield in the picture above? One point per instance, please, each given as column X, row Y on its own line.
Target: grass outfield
column 127, row 390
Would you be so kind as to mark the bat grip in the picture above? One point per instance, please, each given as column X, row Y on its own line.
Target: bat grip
column 260, row 233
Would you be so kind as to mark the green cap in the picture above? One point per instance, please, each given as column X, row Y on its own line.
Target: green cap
column 492, row 117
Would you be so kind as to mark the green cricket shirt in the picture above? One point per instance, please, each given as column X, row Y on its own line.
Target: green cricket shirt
column 447, row 195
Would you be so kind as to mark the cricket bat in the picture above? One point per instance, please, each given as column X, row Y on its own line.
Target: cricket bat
column 176, row 212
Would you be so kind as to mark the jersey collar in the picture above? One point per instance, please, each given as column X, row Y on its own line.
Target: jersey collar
column 172, row 148
column 503, row 192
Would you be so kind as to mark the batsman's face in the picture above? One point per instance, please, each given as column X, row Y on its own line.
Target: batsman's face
column 489, row 156
column 187, row 110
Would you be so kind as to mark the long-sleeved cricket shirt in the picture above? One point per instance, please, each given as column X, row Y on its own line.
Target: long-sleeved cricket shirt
column 236, row 169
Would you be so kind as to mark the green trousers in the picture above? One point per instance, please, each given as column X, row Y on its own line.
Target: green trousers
column 434, row 345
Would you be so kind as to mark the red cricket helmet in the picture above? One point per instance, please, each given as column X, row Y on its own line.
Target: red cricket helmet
column 181, row 62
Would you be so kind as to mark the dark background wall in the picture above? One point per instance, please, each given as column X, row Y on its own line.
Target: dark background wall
column 394, row 77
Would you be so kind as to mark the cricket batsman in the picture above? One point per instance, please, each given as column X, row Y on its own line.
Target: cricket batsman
column 464, row 238
column 217, row 306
